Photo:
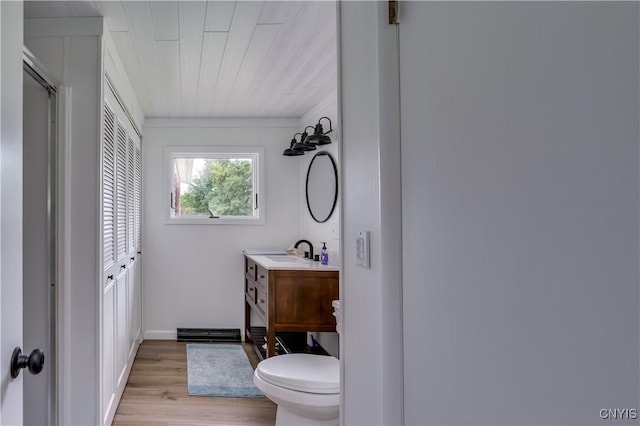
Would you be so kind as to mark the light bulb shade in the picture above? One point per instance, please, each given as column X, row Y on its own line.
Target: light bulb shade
column 290, row 152
column 319, row 137
column 301, row 146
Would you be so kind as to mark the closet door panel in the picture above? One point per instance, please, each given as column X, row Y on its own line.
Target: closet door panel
column 108, row 346
column 122, row 351
column 137, row 298
column 132, row 303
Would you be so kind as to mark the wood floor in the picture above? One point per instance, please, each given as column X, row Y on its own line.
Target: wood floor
column 156, row 394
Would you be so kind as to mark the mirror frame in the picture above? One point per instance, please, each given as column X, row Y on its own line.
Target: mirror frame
column 335, row 193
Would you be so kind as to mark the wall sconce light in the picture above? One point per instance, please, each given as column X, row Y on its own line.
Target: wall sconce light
column 303, row 145
column 309, row 142
column 319, row 136
column 290, row 152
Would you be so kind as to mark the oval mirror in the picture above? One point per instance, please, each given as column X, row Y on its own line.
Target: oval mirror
column 322, row 186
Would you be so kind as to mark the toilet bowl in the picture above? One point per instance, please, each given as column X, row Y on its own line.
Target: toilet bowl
column 305, row 387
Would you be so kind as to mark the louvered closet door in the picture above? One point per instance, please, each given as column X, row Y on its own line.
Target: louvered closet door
column 132, row 282
column 131, row 164
column 109, row 256
column 108, row 191
column 122, row 207
column 138, row 199
column 121, row 194
column 122, row 262
column 135, row 275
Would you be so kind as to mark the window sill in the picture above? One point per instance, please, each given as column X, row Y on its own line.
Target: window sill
column 211, row 221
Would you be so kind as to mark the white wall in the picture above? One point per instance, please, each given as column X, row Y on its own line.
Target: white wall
column 520, row 142
column 328, row 231
column 311, row 230
column 114, row 69
column 193, row 274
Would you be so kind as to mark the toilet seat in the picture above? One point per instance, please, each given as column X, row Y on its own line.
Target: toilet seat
column 302, row 372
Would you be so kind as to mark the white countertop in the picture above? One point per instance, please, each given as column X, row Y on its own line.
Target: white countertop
column 289, row 262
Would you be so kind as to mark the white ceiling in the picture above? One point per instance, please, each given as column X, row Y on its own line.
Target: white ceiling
column 218, row 58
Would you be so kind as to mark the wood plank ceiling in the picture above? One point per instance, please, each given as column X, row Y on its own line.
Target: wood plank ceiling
column 218, row 58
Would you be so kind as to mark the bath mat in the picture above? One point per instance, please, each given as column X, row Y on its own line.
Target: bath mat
column 220, row 370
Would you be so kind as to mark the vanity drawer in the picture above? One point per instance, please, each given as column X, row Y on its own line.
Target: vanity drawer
column 262, row 276
column 261, row 301
column 250, row 291
column 250, row 269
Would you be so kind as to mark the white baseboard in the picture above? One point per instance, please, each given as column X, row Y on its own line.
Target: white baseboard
column 161, row 335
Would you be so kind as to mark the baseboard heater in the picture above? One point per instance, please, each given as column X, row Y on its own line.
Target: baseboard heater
column 209, row 335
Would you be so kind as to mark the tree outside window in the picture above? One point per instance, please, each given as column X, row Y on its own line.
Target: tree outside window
column 223, row 187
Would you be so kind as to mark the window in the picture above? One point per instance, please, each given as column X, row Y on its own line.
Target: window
column 215, row 185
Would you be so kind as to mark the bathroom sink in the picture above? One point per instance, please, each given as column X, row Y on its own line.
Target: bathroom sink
column 288, row 259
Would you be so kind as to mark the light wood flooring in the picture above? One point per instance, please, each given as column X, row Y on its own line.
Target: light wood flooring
column 156, row 393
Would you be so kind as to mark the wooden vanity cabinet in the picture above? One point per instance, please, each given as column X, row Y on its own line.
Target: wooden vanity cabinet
column 287, row 301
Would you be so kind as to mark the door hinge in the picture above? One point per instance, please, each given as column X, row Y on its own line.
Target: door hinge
column 393, row 11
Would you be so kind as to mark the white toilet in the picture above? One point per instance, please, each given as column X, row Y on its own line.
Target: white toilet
column 305, row 387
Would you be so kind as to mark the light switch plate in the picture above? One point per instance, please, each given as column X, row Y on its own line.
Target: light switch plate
column 362, row 249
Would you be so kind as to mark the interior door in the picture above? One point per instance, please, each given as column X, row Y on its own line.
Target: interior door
column 39, row 237
column 10, row 207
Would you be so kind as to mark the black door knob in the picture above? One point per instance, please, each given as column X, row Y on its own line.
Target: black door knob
column 35, row 361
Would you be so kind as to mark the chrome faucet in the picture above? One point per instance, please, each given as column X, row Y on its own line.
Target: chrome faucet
column 310, row 247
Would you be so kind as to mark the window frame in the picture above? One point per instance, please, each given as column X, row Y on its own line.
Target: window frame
column 173, row 152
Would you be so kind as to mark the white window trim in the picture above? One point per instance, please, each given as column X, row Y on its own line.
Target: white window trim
column 171, row 152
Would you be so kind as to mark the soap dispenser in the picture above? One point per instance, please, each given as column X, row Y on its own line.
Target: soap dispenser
column 324, row 254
